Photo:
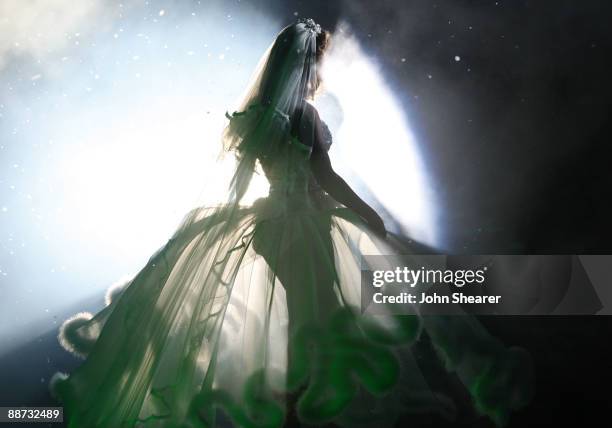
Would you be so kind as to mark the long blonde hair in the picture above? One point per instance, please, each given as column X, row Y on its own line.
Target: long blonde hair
column 283, row 82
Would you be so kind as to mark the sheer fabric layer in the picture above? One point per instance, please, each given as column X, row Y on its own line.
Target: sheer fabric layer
column 206, row 324
column 245, row 307
column 249, row 311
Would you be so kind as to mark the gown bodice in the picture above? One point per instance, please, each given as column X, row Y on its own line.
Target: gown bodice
column 288, row 171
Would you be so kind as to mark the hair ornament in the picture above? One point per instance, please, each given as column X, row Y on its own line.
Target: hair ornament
column 310, row 24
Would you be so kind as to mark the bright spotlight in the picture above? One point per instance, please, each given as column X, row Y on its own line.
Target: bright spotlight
column 372, row 138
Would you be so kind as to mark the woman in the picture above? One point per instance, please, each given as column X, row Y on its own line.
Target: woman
column 249, row 316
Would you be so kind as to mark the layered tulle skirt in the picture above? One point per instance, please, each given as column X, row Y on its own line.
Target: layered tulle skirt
column 250, row 316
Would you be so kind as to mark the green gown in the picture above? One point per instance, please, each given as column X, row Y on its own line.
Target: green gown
column 250, row 315
column 245, row 306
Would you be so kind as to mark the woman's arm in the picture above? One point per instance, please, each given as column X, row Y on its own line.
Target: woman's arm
column 332, row 183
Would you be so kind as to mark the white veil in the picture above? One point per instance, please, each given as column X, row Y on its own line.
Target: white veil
column 285, row 78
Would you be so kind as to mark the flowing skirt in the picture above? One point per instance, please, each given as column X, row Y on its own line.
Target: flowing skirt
column 248, row 314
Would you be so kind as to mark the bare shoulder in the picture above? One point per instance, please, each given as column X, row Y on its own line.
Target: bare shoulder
column 306, row 124
column 311, row 112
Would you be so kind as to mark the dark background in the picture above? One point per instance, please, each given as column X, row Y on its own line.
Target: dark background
column 516, row 138
column 516, row 132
